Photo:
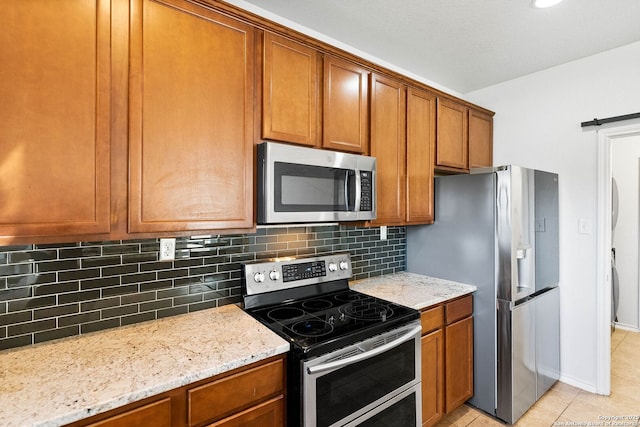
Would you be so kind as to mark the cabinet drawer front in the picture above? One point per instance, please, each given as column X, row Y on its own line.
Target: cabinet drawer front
column 267, row 414
column 459, row 309
column 154, row 414
column 432, row 319
column 220, row 398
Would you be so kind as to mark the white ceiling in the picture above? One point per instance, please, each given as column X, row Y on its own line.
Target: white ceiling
column 466, row 45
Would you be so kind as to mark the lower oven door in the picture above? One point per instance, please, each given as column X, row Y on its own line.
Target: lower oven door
column 400, row 410
column 352, row 384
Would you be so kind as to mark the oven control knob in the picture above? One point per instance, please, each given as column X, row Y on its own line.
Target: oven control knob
column 333, row 266
column 274, row 275
column 258, row 277
column 344, row 265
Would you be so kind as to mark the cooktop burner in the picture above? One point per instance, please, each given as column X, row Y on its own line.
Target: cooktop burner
column 309, row 303
column 320, row 322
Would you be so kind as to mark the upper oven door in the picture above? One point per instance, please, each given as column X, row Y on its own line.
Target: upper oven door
column 298, row 184
column 360, row 379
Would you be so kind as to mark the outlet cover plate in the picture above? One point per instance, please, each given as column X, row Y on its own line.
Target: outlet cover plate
column 167, row 249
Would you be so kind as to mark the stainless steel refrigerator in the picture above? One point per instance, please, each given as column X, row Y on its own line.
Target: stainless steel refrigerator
column 498, row 229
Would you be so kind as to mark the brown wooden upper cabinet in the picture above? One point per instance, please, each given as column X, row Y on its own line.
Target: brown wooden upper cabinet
column 465, row 137
column 388, row 145
column 452, row 148
column 480, row 139
column 190, row 119
column 402, row 140
column 290, row 86
column 421, row 142
column 54, row 119
column 345, row 106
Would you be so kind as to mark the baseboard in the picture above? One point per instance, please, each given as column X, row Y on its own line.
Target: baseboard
column 591, row 388
column 626, row 327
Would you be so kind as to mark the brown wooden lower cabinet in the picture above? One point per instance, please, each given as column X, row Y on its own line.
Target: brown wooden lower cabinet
column 221, row 398
column 267, row 414
column 251, row 396
column 458, row 363
column 156, row 414
column 447, row 358
column 432, row 377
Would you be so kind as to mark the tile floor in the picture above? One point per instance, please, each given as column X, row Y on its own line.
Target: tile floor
column 565, row 405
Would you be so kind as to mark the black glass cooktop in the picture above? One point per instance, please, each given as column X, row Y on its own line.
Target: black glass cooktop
column 322, row 323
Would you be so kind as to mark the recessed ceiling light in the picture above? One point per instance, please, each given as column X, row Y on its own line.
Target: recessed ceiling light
column 545, row 3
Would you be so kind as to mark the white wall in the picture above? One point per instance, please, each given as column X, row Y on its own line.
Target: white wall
column 537, row 124
column 625, row 160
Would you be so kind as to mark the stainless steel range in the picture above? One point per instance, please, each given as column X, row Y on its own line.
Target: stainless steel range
column 354, row 360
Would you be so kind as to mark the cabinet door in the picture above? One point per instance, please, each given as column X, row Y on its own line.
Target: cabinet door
column 388, row 145
column 480, row 139
column 452, row 144
column 345, row 109
column 458, row 363
column 267, row 414
column 289, row 91
column 421, row 137
column 432, row 377
column 191, row 119
column 54, row 119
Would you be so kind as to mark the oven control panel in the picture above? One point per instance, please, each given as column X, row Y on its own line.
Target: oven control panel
column 305, row 270
column 283, row 273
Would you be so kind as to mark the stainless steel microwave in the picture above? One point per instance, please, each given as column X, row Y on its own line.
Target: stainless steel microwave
column 299, row 184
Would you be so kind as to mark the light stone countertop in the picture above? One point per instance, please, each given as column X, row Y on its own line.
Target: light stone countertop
column 412, row 290
column 55, row 383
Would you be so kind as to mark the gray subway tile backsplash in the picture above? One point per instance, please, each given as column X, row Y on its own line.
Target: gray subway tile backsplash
column 58, row 290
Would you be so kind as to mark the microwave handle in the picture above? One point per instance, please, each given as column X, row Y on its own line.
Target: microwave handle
column 352, row 180
column 365, row 355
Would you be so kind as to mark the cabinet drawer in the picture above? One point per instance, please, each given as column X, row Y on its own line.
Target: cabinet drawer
column 217, row 399
column 155, row 414
column 267, row 414
column 459, row 309
column 432, row 319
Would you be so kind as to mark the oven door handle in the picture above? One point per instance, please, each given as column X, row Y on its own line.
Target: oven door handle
column 365, row 355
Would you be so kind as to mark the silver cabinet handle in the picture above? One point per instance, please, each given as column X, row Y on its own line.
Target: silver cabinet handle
column 365, row 355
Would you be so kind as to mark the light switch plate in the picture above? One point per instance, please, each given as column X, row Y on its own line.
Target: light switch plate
column 584, row 226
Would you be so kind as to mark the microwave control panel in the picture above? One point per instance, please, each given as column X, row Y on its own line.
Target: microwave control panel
column 366, row 191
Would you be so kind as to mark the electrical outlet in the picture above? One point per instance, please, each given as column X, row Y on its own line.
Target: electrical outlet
column 383, row 232
column 167, row 249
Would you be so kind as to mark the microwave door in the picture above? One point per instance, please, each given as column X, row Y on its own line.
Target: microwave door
column 314, row 191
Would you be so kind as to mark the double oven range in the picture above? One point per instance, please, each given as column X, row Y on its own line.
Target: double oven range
column 354, row 360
